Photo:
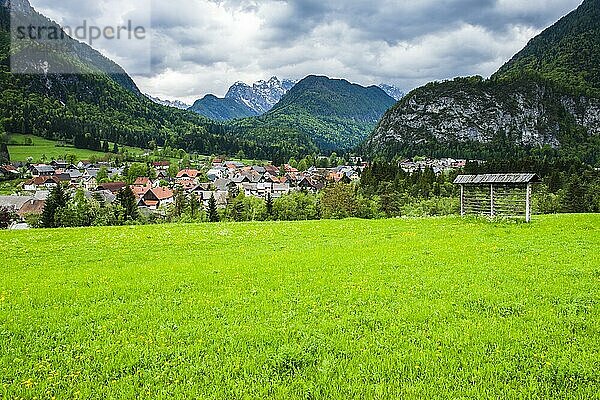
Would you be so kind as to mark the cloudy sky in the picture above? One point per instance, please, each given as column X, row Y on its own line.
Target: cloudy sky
column 204, row 46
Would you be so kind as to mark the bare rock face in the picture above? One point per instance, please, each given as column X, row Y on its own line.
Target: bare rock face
column 474, row 110
column 21, row 6
column 262, row 95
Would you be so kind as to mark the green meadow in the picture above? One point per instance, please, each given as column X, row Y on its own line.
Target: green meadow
column 389, row 309
column 48, row 150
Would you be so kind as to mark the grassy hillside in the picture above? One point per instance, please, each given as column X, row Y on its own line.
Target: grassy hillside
column 434, row 308
column 49, row 148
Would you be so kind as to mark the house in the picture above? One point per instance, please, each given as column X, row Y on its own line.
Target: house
column 14, row 203
column 8, row 172
column 60, row 164
column 139, row 191
column 188, row 174
column 289, row 169
column 74, row 174
column 216, row 173
column 201, row 188
column 272, row 170
column 279, row 189
column 225, row 185
column 219, row 195
column 103, row 196
column 310, row 185
column 41, row 183
column 161, row 165
column 113, row 187
column 143, row 182
column 162, row 175
column 156, row 198
column 89, row 182
column 42, row 170
column 31, row 207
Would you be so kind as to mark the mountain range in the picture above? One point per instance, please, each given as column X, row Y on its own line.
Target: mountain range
column 243, row 100
column 96, row 99
column 545, row 101
column 319, row 114
column 180, row 105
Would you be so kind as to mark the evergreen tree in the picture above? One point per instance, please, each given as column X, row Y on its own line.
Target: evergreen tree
column 115, row 148
column 194, row 205
column 105, row 147
column 269, row 203
column 4, row 154
column 127, row 200
column 57, row 200
column 213, row 213
column 574, row 195
column 180, row 203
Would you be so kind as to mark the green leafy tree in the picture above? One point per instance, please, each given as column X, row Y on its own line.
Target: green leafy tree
column 339, row 201
column 128, row 202
column 78, row 212
column 302, row 165
column 5, row 217
column 173, row 171
column 137, row 170
column 102, row 176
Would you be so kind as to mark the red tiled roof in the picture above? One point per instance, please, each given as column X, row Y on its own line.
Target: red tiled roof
column 10, row 168
column 42, row 180
column 139, row 191
column 191, row 173
column 162, row 193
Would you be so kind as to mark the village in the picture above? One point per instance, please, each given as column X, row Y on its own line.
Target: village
column 156, row 190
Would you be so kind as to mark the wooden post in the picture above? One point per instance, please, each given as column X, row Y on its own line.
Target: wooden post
column 492, row 212
column 528, row 204
column 462, row 200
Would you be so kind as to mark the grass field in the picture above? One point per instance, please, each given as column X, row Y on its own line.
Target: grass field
column 49, row 149
column 433, row 309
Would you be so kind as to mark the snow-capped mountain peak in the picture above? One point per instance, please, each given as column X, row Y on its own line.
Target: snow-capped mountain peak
column 174, row 104
column 262, row 95
column 392, row 91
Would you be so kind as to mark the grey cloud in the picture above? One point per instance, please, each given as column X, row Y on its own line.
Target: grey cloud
column 201, row 45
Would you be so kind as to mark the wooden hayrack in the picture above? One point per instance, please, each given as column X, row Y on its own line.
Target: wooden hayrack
column 495, row 195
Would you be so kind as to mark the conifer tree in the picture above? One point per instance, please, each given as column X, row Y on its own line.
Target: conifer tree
column 269, row 203
column 194, row 205
column 56, row 201
column 213, row 213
